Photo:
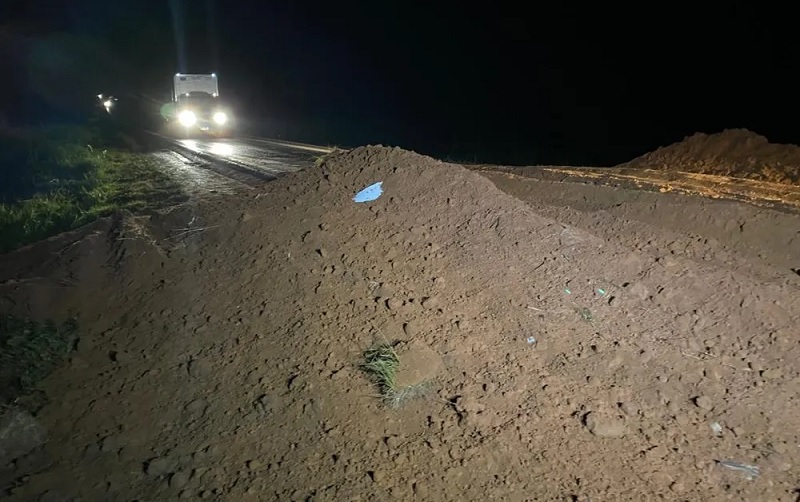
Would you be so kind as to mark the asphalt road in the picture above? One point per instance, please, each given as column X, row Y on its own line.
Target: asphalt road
column 270, row 157
column 248, row 161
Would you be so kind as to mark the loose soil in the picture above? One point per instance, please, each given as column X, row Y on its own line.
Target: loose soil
column 734, row 152
column 580, row 343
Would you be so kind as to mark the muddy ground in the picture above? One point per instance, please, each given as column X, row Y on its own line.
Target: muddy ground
column 579, row 343
column 733, row 152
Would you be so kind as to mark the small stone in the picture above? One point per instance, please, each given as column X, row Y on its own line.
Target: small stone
column 777, row 463
column 394, row 303
column 91, row 450
column 196, row 408
column 771, row 374
column 755, row 366
column 20, row 434
column 607, row 427
column 432, row 302
column 393, row 442
column 677, row 487
column 639, row 290
column 254, row 464
column 179, row 479
column 384, row 290
column 157, row 466
column 703, row 402
column 411, row 328
column 656, row 452
column 629, row 409
column 109, row 443
column 262, row 405
column 198, row 368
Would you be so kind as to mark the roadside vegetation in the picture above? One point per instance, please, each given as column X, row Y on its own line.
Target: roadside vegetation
column 29, row 351
column 57, row 178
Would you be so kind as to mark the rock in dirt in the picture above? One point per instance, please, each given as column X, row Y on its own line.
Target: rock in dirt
column 418, row 364
column 605, row 426
column 412, row 328
column 158, row 466
column 394, row 303
column 199, row 368
column 195, row 409
column 703, row 402
column 772, row 374
column 180, row 479
column 20, row 434
column 432, row 302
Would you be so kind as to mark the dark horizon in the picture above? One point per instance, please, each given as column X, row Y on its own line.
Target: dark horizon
column 548, row 86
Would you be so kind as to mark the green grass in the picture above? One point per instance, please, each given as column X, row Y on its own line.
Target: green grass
column 381, row 364
column 29, row 351
column 63, row 182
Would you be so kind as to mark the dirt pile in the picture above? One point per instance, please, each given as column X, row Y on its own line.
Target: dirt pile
column 734, row 152
column 221, row 349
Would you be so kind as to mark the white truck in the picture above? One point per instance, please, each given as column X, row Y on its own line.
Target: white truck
column 196, row 106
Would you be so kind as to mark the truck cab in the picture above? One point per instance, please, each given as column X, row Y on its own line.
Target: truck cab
column 197, row 108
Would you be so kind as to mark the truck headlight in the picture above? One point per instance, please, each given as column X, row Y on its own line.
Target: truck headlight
column 220, row 118
column 187, row 118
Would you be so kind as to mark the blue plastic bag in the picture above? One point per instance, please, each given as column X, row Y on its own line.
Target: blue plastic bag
column 370, row 193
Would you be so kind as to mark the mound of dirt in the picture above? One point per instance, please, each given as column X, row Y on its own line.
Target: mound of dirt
column 737, row 153
column 561, row 365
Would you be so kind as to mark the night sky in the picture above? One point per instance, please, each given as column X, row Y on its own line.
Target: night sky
column 490, row 81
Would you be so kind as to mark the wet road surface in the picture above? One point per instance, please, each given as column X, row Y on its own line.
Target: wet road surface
column 227, row 165
column 271, row 158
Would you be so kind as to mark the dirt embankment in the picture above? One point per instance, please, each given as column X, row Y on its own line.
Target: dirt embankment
column 220, row 349
column 734, row 152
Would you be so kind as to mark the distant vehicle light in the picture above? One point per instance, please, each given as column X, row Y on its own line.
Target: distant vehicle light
column 187, row 118
column 220, row 118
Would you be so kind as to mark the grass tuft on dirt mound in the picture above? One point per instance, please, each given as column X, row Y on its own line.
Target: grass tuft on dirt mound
column 30, row 350
column 381, row 364
column 59, row 181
